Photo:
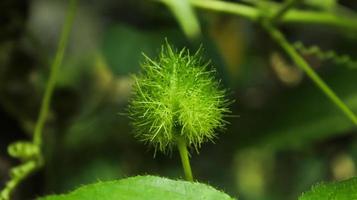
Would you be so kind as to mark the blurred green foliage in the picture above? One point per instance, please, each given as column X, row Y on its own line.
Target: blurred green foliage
column 287, row 136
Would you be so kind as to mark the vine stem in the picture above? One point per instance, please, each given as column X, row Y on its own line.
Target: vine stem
column 18, row 174
column 30, row 165
column 46, row 101
column 293, row 16
column 300, row 62
column 288, row 4
column 182, row 147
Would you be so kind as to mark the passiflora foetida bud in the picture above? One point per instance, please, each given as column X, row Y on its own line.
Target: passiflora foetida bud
column 177, row 96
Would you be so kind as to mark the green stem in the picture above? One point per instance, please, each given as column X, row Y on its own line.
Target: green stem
column 293, row 16
column 18, row 174
column 30, row 165
column 300, row 62
column 46, row 101
column 242, row 10
column 182, row 147
column 185, row 15
column 288, row 4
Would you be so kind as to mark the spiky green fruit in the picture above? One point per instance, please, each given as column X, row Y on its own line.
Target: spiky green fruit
column 175, row 96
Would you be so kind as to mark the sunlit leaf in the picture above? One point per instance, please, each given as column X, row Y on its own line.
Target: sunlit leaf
column 143, row 187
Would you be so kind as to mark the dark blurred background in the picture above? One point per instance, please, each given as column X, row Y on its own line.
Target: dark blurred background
column 287, row 137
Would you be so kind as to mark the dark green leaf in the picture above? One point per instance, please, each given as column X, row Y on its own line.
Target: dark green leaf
column 344, row 190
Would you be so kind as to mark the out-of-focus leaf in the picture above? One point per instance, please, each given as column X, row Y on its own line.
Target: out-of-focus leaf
column 123, row 47
column 305, row 115
column 322, row 4
column 144, row 187
column 343, row 166
column 103, row 169
column 253, row 167
column 289, row 75
column 185, row 16
column 228, row 36
column 344, row 190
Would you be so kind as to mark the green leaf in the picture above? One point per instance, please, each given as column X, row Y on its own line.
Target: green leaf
column 143, row 187
column 304, row 117
column 186, row 17
column 344, row 190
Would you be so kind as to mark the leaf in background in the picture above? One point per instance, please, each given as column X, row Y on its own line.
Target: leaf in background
column 253, row 167
column 185, row 16
column 122, row 47
column 344, row 190
column 322, row 4
column 143, row 187
column 287, row 74
column 309, row 117
column 227, row 34
column 343, row 166
column 103, row 169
